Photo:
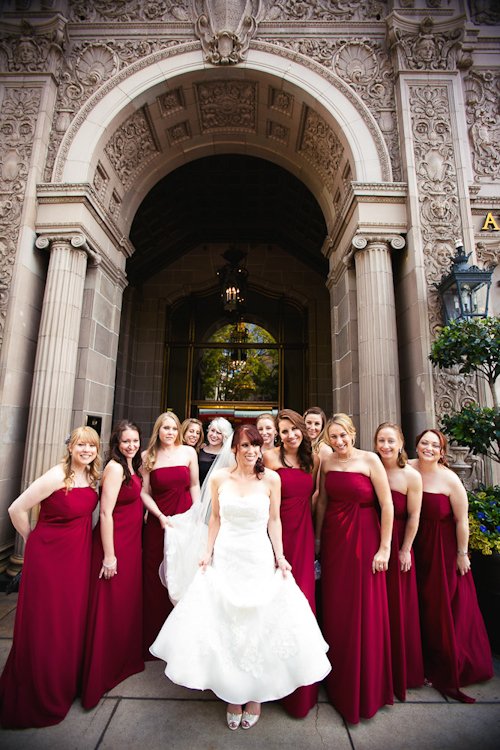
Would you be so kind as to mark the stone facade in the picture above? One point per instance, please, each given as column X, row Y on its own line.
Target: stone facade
column 387, row 110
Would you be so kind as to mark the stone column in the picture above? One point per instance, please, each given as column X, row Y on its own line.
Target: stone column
column 55, row 363
column 379, row 397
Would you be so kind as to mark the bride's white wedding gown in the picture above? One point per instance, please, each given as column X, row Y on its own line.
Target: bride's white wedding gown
column 241, row 629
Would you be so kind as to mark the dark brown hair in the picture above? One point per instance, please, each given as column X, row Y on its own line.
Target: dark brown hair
column 116, row 455
column 253, row 436
column 304, row 453
column 442, row 442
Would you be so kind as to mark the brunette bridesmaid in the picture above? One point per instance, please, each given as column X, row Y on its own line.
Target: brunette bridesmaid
column 454, row 640
column 192, row 433
column 44, row 669
column 170, row 486
column 355, row 549
column 115, row 605
column 406, row 490
column 297, row 466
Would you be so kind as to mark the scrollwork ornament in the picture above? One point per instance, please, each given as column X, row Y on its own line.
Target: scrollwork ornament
column 482, row 93
column 225, row 28
column 126, row 11
column 326, row 10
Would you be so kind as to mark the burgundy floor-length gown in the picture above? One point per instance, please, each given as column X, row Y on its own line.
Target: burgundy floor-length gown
column 406, row 642
column 454, row 639
column 44, row 670
column 170, row 490
column 355, row 611
column 298, row 546
column 113, row 649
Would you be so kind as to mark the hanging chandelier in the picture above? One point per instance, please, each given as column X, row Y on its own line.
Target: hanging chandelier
column 233, row 282
column 239, row 335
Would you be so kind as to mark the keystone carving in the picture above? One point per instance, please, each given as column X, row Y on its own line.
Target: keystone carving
column 225, row 28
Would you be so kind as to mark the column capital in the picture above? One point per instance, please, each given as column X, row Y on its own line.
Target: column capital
column 364, row 241
column 78, row 241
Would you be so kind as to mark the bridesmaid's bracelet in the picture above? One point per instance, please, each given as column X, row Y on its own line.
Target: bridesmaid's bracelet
column 462, row 553
column 161, row 514
column 280, row 558
column 109, row 566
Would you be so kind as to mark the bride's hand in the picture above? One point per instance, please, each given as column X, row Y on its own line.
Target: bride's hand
column 284, row 565
column 205, row 560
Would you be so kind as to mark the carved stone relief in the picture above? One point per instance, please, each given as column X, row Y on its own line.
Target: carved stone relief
column 319, row 145
column 365, row 66
column 86, row 68
column 225, row 27
column 115, row 204
column 482, row 92
column 484, row 12
column 132, row 147
column 26, row 50
column 429, row 48
column 325, row 10
column 227, row 105
column 171, row 102
column 278, row 132
column 129, row 10
column 281, row 101
column 20, row 107
column 178, row 133
column 101, row 179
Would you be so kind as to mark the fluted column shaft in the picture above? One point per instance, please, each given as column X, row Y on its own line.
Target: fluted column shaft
column 55, row 364
column 379, row 395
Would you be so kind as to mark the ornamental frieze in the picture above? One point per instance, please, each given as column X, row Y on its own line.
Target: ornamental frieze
column 227, row 105
column 20, row 107
column 326, row 10
column 365, row 66
column 319, row 145
column 482, row 94
column 123, row 11
column 132, row 147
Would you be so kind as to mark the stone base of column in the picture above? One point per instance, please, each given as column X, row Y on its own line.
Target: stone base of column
column 15, row 565
column 6, row 551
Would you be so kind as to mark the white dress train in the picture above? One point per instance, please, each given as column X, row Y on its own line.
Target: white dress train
column 241, row 629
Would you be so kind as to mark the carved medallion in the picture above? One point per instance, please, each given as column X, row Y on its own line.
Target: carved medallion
column 227, row 105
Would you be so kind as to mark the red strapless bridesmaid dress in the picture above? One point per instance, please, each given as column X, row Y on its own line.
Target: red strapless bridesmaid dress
column 298, row 545
column 406, row 642
column 454, row 639
column 115, row 606
column 43, row 673
column 355, row 612
column 170, row 490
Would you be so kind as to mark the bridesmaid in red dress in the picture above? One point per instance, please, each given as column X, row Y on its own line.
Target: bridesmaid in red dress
column 355, row 549
column 454, row 640
column 406, row 489
column 43, row 673
column 115, row 604
column 297, row 466
column 170, row 486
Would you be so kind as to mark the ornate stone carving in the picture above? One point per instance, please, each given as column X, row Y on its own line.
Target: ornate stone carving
column 132, row 147
column 85, row 70
column 278, row 132
column 129, row 10
column 171, row 102
column 179, row 132
column 319, row 145
column 429, row 48
column 27, row 49
column 366, row 68
column 225, row 27
column 101, row 179
column 18, row 116
column 484, row 12
column 115, row 205
column 326, row 10
column 227, row 105
column 281, row 101
column 482, row 92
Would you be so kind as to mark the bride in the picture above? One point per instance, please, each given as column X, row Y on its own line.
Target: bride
column 243, row 628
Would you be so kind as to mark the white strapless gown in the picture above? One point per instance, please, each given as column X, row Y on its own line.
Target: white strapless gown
column 241, row 629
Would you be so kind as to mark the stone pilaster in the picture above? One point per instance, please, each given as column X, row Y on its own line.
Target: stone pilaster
column 55, row 364
column 379, row 397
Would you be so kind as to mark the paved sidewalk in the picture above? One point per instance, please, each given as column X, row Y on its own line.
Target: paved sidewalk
column 148, row 712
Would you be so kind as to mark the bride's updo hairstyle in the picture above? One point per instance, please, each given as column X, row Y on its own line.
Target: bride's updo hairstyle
column 250, row 433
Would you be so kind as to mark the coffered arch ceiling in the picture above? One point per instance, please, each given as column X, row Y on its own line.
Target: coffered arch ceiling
column 229, row 198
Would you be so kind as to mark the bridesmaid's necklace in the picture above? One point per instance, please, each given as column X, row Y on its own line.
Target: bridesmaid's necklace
column 346, row 460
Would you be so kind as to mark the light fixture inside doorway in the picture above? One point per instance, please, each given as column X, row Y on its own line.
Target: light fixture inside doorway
column 239, row 335
column 460, row 286
column 233, row 282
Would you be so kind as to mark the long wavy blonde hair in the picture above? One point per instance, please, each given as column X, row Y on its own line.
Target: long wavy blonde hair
column 154, row 443
column 85, row 435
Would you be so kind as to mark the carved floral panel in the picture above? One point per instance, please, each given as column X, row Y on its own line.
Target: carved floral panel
column 319, row 145
column 132, row 147
column 227, row 105
column 18, row 116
